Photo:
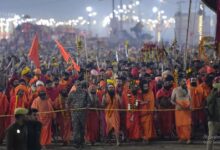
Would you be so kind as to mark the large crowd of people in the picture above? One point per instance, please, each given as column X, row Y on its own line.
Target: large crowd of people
column 124, row 100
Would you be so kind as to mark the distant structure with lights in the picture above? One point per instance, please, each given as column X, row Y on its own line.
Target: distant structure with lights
column 200, row 25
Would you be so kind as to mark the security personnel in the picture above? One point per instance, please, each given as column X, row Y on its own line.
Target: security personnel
column 79, row 99
column 16, row 136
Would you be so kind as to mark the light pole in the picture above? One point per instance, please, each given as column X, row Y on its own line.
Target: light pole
column 91, row 14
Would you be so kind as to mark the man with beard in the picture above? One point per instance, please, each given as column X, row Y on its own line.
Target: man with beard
column 131, row 98
column 111, row 101
column 18, row 100
column 64, row 126
column 119, row 90
column 197, row 104
column 147, row 117
column 43, row 104
column 166, row 118
column 181, row 99
column 52, row 92
column 92, row 118
column 206, row 87
column 79, row 99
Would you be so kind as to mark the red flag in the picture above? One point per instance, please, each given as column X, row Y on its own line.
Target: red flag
column 75, row 66
column 63, row 52
column 33, row 53
column 67, row 56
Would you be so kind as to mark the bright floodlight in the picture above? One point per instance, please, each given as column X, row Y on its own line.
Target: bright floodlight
column 164, row 17
column 89, row 9
column 137, row 3
column 155, row 9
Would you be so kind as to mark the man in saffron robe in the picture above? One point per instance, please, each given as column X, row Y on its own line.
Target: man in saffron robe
column 63, row 118
column 20, row 100
column 65, row 82
column 32, row 92
column 206, row 86
column 197, row 104
column 166, row 118
column 52, row 92
column 181, row 98
column 3, row 111
column 131, row 98
column 92, row 119
column 12, row 89
column 43, row 104
column 112, row 101
column 147, row 103
column 100, row 92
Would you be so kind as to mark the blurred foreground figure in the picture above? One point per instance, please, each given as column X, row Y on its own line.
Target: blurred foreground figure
column 16, row 138
column 213, row 102
column 34, row 130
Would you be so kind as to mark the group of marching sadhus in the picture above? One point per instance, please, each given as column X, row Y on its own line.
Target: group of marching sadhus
column 103, row 105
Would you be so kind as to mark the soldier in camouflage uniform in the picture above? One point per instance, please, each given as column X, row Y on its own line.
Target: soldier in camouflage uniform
column 79, row 99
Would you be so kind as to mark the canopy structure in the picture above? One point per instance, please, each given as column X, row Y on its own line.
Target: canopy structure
column 212, row 4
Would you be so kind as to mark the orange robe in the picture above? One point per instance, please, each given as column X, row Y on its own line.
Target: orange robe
column 112, row 117
column 102, row 122
column 3, row 111
column 205, row 89
column 197, row 102
column 63, row 119
column 16, row 102
column 92, row 121
column 132, row 117
column 147, row 123
column 183, row 120
column 31, row 96
column 44, row 118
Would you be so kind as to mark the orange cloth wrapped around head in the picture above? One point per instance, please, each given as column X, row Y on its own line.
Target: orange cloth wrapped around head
column 102, row 83
column 21, row 87
column 37, row 71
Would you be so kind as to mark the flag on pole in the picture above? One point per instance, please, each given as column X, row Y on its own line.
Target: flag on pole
column 66, row 56
column 64, row 53
column 75, row 66
column 33, row 53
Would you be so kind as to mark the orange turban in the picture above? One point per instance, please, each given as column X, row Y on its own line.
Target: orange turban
column 37, row 71
column 22, row 88
column 33, row 81
column 102, row 83
column 109, row 73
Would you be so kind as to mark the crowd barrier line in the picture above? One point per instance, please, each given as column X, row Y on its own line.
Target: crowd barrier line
column 103, row 109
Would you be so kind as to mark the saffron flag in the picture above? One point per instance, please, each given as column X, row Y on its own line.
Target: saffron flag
column 33, row 53
column 63, row 52
column 66, row 56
